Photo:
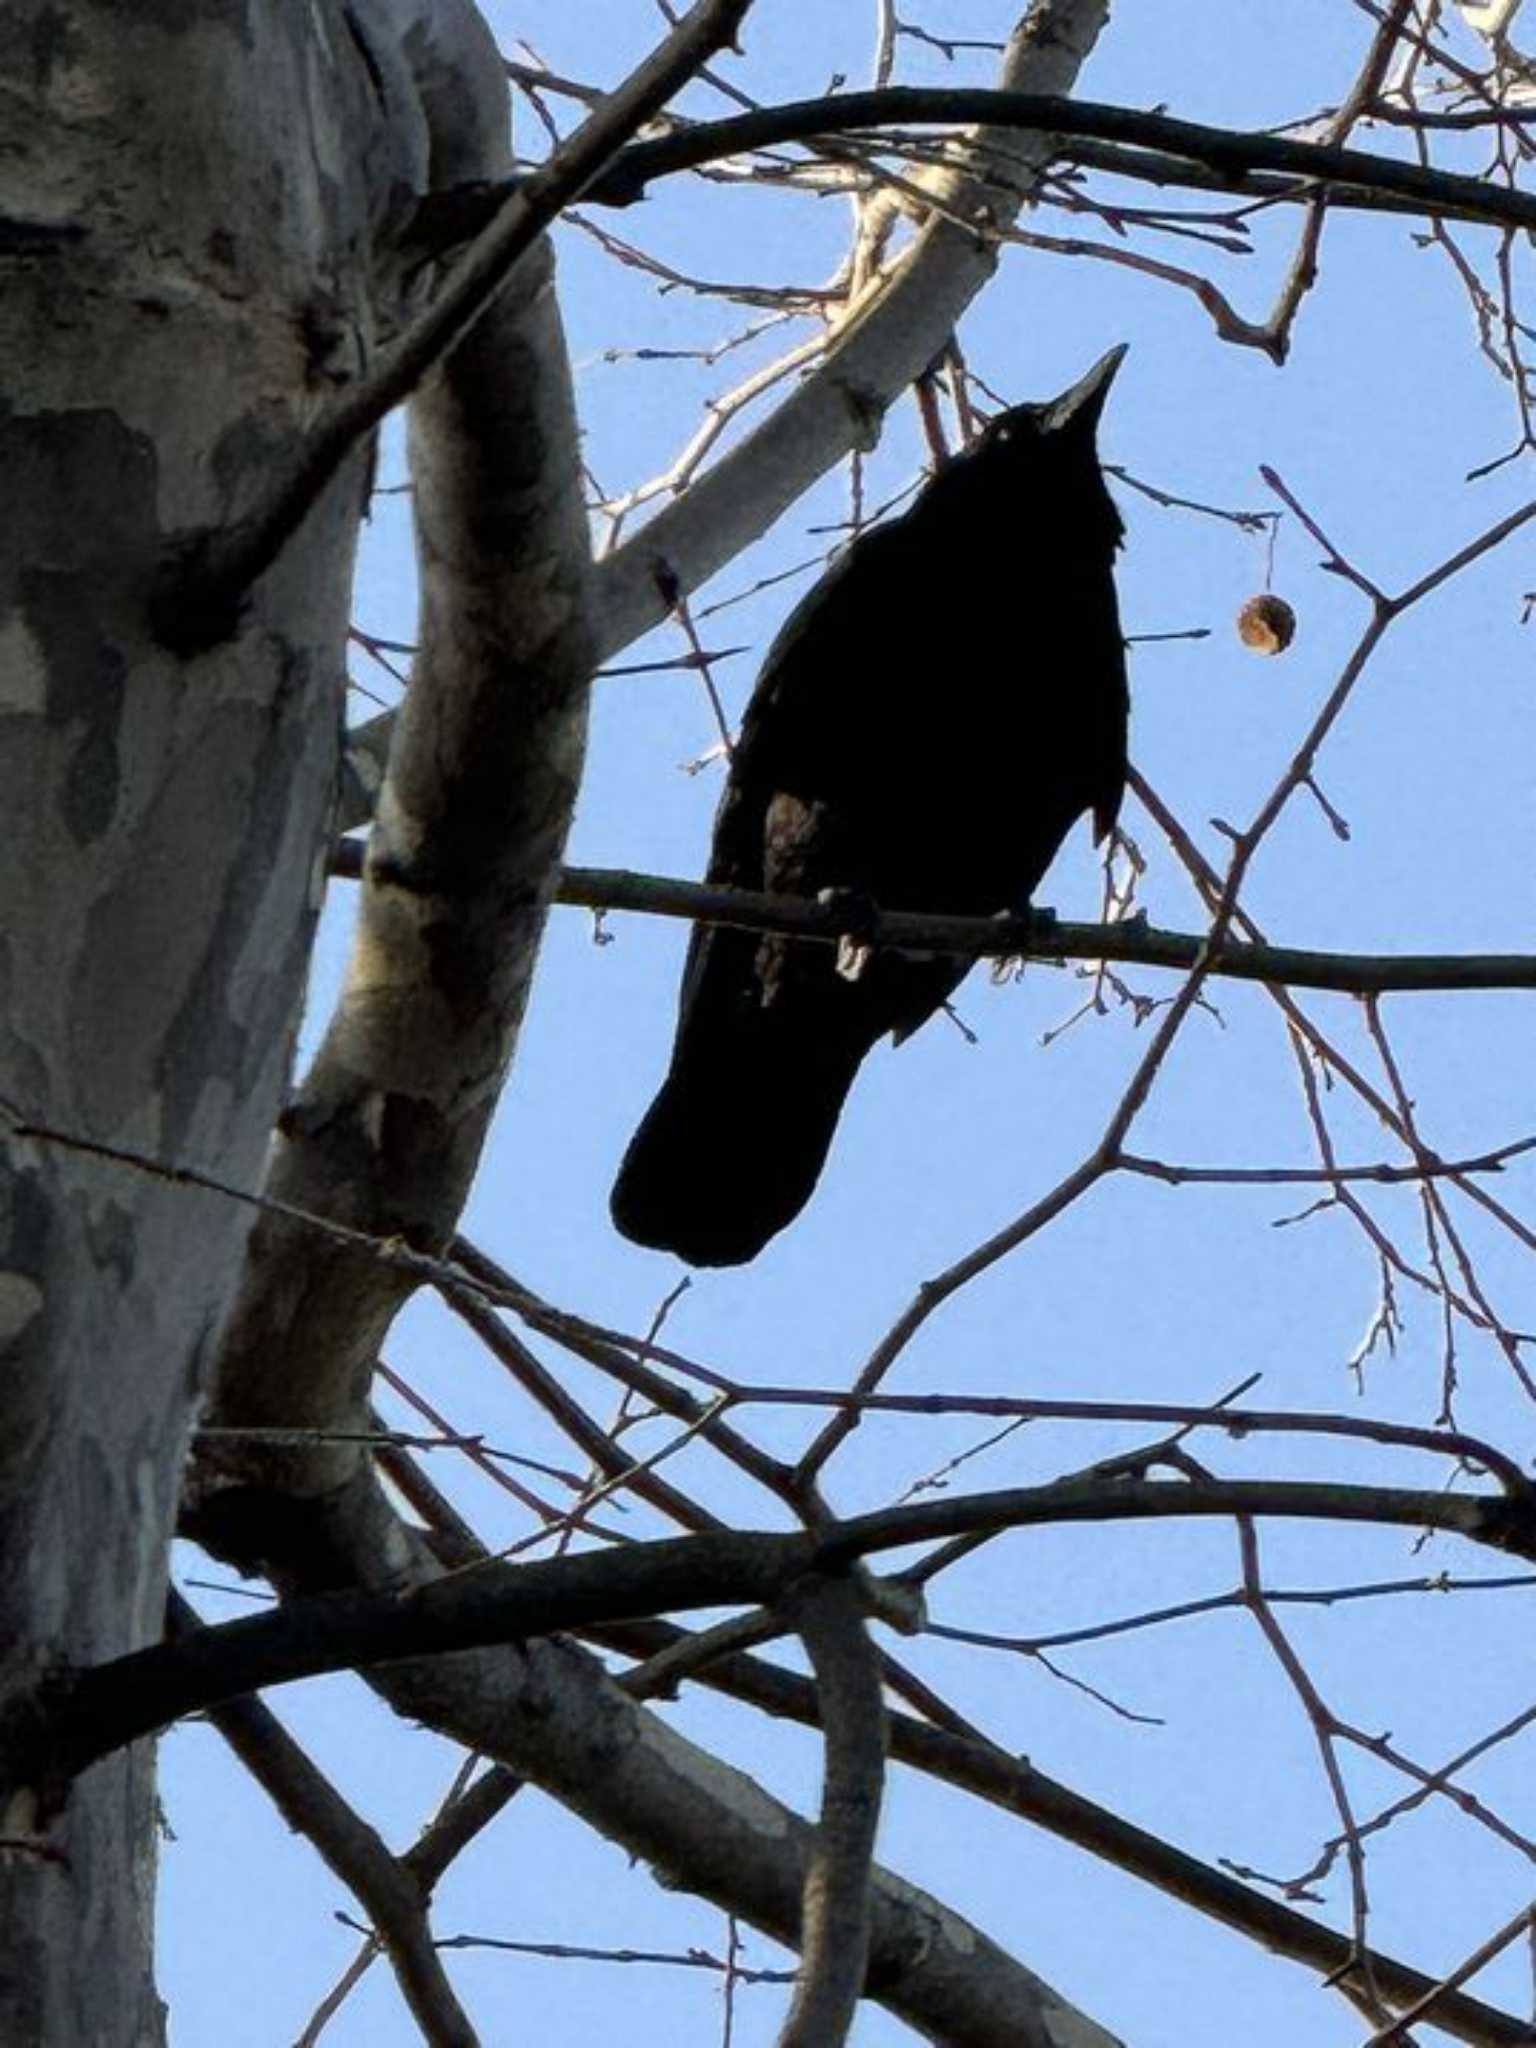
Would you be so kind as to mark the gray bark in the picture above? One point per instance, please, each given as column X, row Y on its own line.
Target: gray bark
column 163, row 822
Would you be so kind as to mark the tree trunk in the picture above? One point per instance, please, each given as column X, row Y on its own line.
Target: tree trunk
column 188, row 197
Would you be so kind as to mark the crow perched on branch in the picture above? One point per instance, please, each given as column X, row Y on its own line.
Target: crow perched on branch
column 931, row 721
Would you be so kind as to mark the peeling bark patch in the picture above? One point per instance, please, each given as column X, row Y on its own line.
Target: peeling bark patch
column 238, row 1015
column 28, row 1249
column 86, row 675
column 37, row 237
column 22, row 691
column 175, row 17
column 90, row 788
column 82, row 533
column 251, row 446
column 145, row 935
column 26, row 1224
column 21, row 1302
column 463, row 962
column 80, row 498
column 112, row 1236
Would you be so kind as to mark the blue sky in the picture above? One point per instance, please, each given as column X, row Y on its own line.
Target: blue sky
column 1141, row 1292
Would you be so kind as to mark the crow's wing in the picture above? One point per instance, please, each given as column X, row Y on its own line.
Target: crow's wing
column 812, row 718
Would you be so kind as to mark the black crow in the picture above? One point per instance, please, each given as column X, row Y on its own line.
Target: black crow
column 931, row 721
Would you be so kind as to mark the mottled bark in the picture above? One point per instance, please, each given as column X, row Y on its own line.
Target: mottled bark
column 188, row 210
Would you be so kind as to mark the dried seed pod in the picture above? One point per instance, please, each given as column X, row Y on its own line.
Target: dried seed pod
column 1266, row 624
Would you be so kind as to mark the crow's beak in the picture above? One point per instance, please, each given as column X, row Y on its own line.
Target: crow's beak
column 1080, row 405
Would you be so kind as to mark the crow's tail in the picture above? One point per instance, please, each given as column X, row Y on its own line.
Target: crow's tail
column 733, row 1145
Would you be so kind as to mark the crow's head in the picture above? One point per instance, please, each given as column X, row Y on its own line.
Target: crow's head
column 1069, row 421
column 1035, row 464
column 1040, row 461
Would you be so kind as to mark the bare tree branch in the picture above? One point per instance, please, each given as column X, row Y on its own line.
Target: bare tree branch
column 828, row 1616
column 1230, row 153
column 1010, row 938
column 1132, row 940
column 72, row 1719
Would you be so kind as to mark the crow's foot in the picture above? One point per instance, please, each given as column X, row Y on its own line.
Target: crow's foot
column 860, row 918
